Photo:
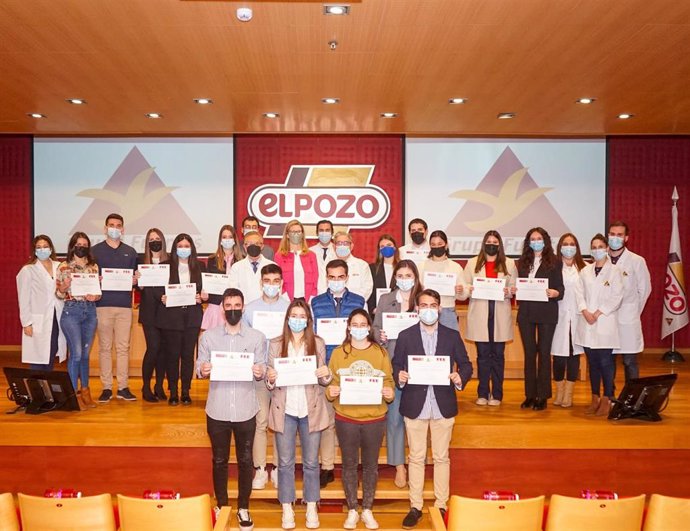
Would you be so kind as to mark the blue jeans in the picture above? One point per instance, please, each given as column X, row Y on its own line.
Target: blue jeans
column 286, row 443
column 78, row 323
column 395, row 432
column 601, row 368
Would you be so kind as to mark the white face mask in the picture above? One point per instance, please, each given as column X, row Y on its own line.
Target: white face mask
column 428, row 316
column 227, row 243
column 359, row 333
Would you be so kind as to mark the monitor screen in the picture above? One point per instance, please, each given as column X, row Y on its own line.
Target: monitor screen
column 41, row 391
column 643, row 398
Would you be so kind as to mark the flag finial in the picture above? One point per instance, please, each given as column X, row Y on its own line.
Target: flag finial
column 675, row 195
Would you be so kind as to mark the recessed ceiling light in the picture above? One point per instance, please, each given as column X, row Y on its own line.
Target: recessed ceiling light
column 36, row 115
column 154, row 115
column 625, row 116
column 76, row 101
column 336, row 9
column 203, row 101
column 330, row 101
column 585, row 101
column 505, row 115
column 271, row 115
column 389, row 115
column 457, row 101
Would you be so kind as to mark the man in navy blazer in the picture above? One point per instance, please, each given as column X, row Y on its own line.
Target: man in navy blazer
column 429, row 407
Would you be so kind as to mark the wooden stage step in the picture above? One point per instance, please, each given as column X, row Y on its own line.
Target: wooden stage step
column 270, row 521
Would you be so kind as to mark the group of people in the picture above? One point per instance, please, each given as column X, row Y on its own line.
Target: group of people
column 592, row 308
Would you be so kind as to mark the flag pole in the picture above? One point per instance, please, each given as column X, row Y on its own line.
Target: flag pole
column 673, row 356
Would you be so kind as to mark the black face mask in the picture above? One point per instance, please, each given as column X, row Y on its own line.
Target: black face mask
column 417, row 237
column 438, row 251
column 491, row 249
column 253, row 250
column 156, row 246
column 81, row 252
column 233, row 316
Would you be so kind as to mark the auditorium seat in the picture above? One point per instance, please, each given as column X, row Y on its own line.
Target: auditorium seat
column 67, row 514
column 8, row 513
column 470, row 514
column 578, row 514
column 184, row 514
column 667, row 514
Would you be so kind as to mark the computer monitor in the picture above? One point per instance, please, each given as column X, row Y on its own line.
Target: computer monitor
column 40, row 391
column 643, row 398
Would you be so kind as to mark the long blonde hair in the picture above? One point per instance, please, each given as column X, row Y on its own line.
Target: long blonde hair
column 284, row 247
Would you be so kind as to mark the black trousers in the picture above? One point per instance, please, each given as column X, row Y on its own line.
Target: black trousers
column 154, row 357
column 220, row 432
column 179, row 354
column 536, row 341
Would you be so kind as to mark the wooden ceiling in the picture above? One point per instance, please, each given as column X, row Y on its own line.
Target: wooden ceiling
column 530, row 57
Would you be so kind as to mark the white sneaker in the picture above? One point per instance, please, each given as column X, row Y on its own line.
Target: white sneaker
column 494, row 402
column 244, row 520
column 352, row 519
column 369, row 520
column 312, row 516
column 274, row 477
column 216, row 513
column 288, row 520
column 260, row 479
column 481, row 401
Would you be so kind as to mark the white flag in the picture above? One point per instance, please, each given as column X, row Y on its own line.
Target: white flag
column 675, row 314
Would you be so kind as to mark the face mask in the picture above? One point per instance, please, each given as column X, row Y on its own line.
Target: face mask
column 417, row 237
column 342, row 251
column 253, row 250
column 428, row 316
column 233, row 316
column 359, row 333
column 156, row 246
column 297, row 324
column 43, row 253
column 568, row 251
column 296, row 238
column 598, row 254
column 537, row 245
column 404, row 284
column 387, row 252
column 491, row 249
column 81, row 252
column 227, row 243
column 183, row 252
column 336, row 286
column 270, row 290
column 616, row 242
column 114, row 234
column 438, row 251
column 325, row 237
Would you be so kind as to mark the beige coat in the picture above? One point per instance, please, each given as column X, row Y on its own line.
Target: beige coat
column 478, row 310
column 316, row 401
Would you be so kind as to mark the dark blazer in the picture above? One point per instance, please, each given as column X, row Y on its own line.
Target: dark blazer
column 181, row 317
column 148, row 304
column 413, row 396
column 379, row 282
column 212, row 267
column 543, row 312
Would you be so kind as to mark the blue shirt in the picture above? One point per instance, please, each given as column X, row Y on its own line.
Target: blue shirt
column 121, row 257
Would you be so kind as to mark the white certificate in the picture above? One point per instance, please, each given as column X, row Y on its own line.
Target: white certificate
column 84, row 284
column 416, row 255
column 180, row 295
column 361, row 390
column 444, row 283
column 379, row 292
column 116, row 279
column 153, row 275
column 270, row 323
column 394, row 323
column 332, row 331
column 214, row 283
column 300, row 370
column 489, row 289
column 532, row 289
column 231, row 366
column 428, row 370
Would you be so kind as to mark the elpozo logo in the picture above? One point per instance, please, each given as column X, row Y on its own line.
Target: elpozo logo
column 342, row 194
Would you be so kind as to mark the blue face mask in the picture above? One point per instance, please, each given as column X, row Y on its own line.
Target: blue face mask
column 616, row 242
column 568, row 251
column 342, row 251
column 227, row 243
column 270, row 290
column 297, row 324
column 598, row 254
column 387, row 252
column 428, row 316
column 359, row 333
column 336, row 286
column 325, row 237
column 114, row 234
column 404, row 284
column 43, row 253
column 537, row 245
column 183, row 252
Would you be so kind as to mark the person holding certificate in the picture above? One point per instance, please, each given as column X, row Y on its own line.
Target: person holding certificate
column 405, row 287
column 79, row 320
column 231, row 406
column 599, row 296
column 39, row 310
column 537, row 320
column 382, row 269
column 299, row 265
column 444, row 275
column 154, row 359
column 429, row 408
column 360, row 426
column 298, row 408
column 490, row 322
column 181, row 324
column 566, row 354
column 227, row 253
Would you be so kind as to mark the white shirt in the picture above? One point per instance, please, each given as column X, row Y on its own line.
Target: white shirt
column 416, row 253
column 443, row 266
column 183, row 272
column 298, row 276
column 321, row 261
column 535, row 266
column 388, row 272
column 242, row 277
column 296, row 397
column 360, row 280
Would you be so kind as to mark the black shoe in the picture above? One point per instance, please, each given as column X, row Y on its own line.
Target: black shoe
column 186, row 399
column 539, row 404
column 160, row 394
column 174, row 400
column 527, row 404
column 148, row 395
column 326, row 477
column 443, row 513
column 106, row 395
column 412, row 518
column 244, row 520
column 125, row 394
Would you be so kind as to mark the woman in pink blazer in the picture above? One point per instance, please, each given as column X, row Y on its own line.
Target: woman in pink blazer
column 299, row 264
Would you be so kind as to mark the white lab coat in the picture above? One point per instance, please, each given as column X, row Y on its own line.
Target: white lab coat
column 359, row 279
column 568, row 315
column 37, row 302
column 603, row 292
column 637, row 286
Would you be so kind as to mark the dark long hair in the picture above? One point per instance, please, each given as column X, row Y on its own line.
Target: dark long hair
column 442, row 235
column 147, row 249
column 379, row 258
column 309, row 340
column 409, row 264
column 577, row 259
column 192, row 261
column 73, row 243
column 347, row 344
column 500, row 263
column 548, row 256
column 219, row 256
column 38, row 238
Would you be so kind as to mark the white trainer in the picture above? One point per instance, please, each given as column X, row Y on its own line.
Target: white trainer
column 481, row 401
column 494, row 402
column 312, row 516
column 274, row 477
column 288, row 520
column 260, row 479
column 369, row 520
column 352, row 519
